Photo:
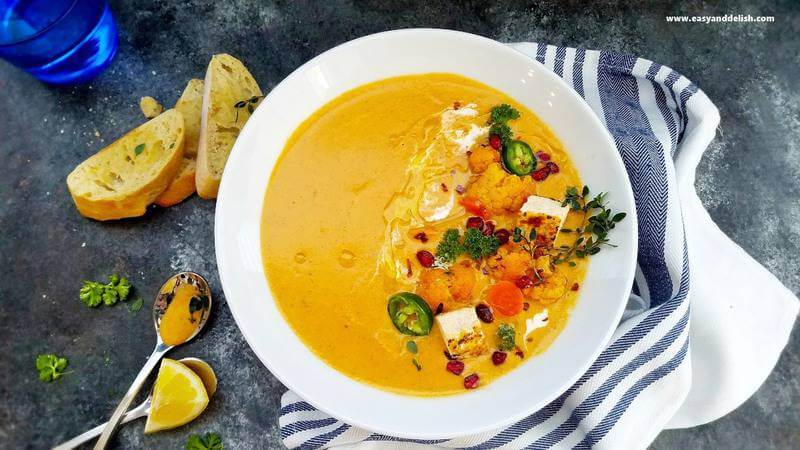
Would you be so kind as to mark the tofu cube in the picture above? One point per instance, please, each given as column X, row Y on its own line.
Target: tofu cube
column 462, row 333
column 546, row 216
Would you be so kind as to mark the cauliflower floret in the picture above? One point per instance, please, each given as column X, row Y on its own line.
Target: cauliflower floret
column 462, row 281
column 500, row 191
column 510, row 265
column 544, row 266
column 550, row 290
column 432, row 286
column 453, row 288
column 481, row 157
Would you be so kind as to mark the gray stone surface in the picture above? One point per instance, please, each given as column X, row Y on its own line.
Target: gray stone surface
column 748, row 180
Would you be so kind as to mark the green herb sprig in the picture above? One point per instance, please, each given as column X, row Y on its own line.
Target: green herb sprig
column 246, row 104
column 506, row 337
column 474, row 243
column 527, row 242
column 598, row 221
column 211, row 441
column 500, row 116
column 93, row 293
column 51, row 367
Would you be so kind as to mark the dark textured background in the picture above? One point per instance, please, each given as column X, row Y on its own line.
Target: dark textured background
column 748, row 180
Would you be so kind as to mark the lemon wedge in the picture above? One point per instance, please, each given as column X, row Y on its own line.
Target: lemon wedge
column 178, row 397
column 204, row 371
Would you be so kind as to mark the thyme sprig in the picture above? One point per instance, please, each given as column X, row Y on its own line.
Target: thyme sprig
column 248, row 104
column 527, row 243
column 598, row 220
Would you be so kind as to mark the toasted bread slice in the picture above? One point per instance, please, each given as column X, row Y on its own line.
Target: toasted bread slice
column 230, row 94
column 181, row 187
column 122, row 179
column 190, row 105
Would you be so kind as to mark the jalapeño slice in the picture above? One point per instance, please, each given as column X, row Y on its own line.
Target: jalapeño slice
column 518, row 158
column 410, row 314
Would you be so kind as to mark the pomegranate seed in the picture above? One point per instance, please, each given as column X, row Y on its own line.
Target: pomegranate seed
column 502, row 235
column 541, row 174
column 471, row 381
column 439, row 309
column 526, row 306
column 488, row 228
column 494, row 141
column 575, row 286
column 524, row 282
column 421, row 236
column 425, row 258
column 455, row 367
column 475, row 222
column 543, row 156
column 484, row 313
column 499, row 358
column 552, row 167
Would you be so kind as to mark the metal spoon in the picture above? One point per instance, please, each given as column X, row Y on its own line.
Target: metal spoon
column 142, row 410
column 163, row 299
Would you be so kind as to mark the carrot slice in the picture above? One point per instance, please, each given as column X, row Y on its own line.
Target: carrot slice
column 506, row 298
column 474, row 206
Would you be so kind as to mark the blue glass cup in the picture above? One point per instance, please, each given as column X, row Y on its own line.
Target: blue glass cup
column 58, row 41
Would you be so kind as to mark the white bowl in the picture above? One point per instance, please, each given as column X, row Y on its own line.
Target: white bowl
column 238, row 236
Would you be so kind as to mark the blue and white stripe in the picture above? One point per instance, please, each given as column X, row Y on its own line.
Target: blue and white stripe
column 638, row 382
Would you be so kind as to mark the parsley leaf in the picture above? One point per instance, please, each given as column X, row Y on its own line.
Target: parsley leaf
column 93, row 293
column 506, row 337
column 474, row 243
column 504, row 113
column 450, row 246
column 211, row 441
column 50, row 367
column 500, row 116
column 479, row 246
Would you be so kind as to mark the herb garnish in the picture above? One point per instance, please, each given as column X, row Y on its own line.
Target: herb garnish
column 136, row 305
column 93, row 293
column 50, row 367
column 506, row 337
column 416, row 364
column 138, row 149
column 593, row 234
column 211, row 441
column 499, row 122
column 528, row 244
column 246, row 104
column 475, row 243
column 411, row 346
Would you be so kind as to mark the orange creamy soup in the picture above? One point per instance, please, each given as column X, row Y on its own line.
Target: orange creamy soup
column 412, row 234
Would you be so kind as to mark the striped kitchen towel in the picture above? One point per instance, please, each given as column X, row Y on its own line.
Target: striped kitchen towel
column 646, row 379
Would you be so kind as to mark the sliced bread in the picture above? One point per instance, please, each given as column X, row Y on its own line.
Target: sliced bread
column 190, row 105
column 122, row 179
column 230, row 96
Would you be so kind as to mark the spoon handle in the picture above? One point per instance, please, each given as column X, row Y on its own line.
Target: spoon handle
column 116, row 417
column 139, row 411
